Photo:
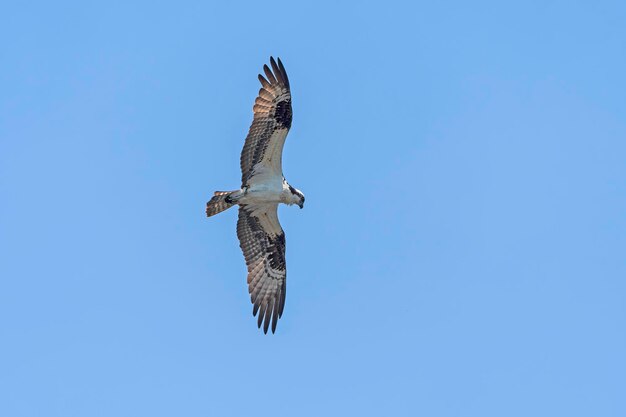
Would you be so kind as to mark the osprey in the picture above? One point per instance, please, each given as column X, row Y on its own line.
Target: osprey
column 263, row 187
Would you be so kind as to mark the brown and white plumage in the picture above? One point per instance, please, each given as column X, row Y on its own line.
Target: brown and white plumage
column 263, row 187
column 271, row 123
column 262, row 241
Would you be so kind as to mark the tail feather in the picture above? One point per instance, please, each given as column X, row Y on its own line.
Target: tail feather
column 219, row 203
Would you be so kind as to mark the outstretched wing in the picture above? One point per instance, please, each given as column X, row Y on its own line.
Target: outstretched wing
column 263, row 149
column 262, row 241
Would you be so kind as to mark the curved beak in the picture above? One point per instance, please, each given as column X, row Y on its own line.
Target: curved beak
column 301, row 205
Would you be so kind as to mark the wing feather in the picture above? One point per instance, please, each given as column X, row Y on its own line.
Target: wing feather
column 269, row 75
column 263, row 102
column 264, row 94
column 283, row 73
column 265, row 83
column 262, row 242
column 272, row 120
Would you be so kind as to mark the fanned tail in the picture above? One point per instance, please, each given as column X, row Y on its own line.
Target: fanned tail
column 219, row 202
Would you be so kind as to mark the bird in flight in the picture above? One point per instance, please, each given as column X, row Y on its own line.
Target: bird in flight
column 263, row 187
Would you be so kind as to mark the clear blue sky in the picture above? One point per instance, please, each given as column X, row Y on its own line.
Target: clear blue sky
column 462, row 251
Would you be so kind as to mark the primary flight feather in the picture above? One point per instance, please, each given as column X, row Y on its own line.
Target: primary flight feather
column 263, row 187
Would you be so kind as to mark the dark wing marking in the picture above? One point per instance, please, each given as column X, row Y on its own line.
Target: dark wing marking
column 262, row 241
column 271, row 123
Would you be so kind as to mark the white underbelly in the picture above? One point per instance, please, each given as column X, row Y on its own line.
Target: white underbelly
column 264, row 187
column 264, row 192
column 261, row 196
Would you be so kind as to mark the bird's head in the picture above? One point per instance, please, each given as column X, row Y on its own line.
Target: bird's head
column 297, row 197
column 301, row 202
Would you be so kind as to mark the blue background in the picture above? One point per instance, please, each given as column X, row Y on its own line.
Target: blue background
column 462, row 251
